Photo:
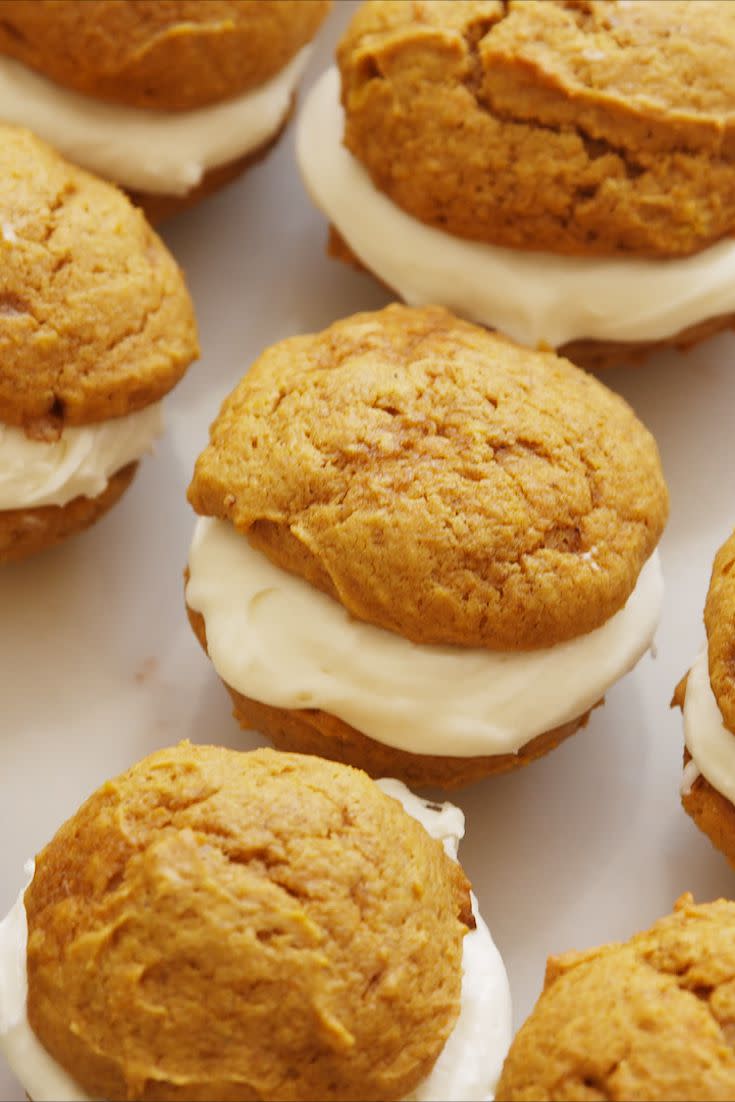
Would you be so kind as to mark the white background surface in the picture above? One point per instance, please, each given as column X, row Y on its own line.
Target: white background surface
column 98, row 666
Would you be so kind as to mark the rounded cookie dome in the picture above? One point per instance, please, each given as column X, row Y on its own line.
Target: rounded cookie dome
column 719, row 619
column 652, row 1019
column 594, row 127
column 438, row 480
column 171, row 55
column 95, row 318
column 215, row 924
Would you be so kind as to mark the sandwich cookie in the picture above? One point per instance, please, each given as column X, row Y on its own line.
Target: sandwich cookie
column 222, row 925
column 707, row 699
column 562, row 172
column 421, row 548
column 171, row 99
column 96, row 326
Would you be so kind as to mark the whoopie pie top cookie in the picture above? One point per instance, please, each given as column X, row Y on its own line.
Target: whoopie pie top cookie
column 652, row 1018
column 96, row 321
column 707, row 698
column 439, row 481
column 219, row 925
column 597, row 134
column 96, row 326
column 589, row 130
column 442, row 538
column 169, row 98
column 167, row 55
column 719, row 620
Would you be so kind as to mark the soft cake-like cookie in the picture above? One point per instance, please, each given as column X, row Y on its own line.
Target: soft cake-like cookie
column 172, row 56
column 169, row 98
column 408, row 522
column 96, row 326
column 651, row 1019
column 562, row 172
column 219, row 925
column 707, row 698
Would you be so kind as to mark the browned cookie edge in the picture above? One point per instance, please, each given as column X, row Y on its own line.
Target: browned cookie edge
column 26, row 532
column 159, row 208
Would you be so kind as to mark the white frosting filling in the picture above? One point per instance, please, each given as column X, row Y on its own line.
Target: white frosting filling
column 277, row 639
column 710, row 743
column 166, row 152
column 535, row 297
column 468, row 1066
column 688, row 777
column 79, row 464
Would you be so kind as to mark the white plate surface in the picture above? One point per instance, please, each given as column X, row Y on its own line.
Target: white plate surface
column 98, row 666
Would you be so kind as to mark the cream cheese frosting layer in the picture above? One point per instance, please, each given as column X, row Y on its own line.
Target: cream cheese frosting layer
column 534, row 297
column 163, row 152
column 708, row 740
column 277, row 639
column 79, row 464
column 470, row 1063
column 468, row 1066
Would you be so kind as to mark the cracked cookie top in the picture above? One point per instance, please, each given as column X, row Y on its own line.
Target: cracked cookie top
column 95, row 318
column 719, row 619
column 170, row 55
column 438, row 480
column 215, row 924
column 653, row 1018
column 588, row 127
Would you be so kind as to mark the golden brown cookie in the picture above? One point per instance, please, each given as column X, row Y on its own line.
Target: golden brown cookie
column 169, row 55
column 438, row 480
column 711, row 810
column 95, row 320
column 590, row 354
column 312, row 731
column 719, row 620
column 590, row 128
column 170, row 59
column 25, row 532
column 443, row 485
column 652, row 1019
column 237, row 926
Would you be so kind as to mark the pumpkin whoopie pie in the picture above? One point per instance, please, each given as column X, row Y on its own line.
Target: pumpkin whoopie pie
column 563, row 172
column 423, row 549
column 223, row 925
column 652, row 1018
column 707, row 698
column 96, row 326
column 169, row 98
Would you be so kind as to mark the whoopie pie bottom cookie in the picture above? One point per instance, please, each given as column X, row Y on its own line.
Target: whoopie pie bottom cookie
column 311, row 731
column 25, row 532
